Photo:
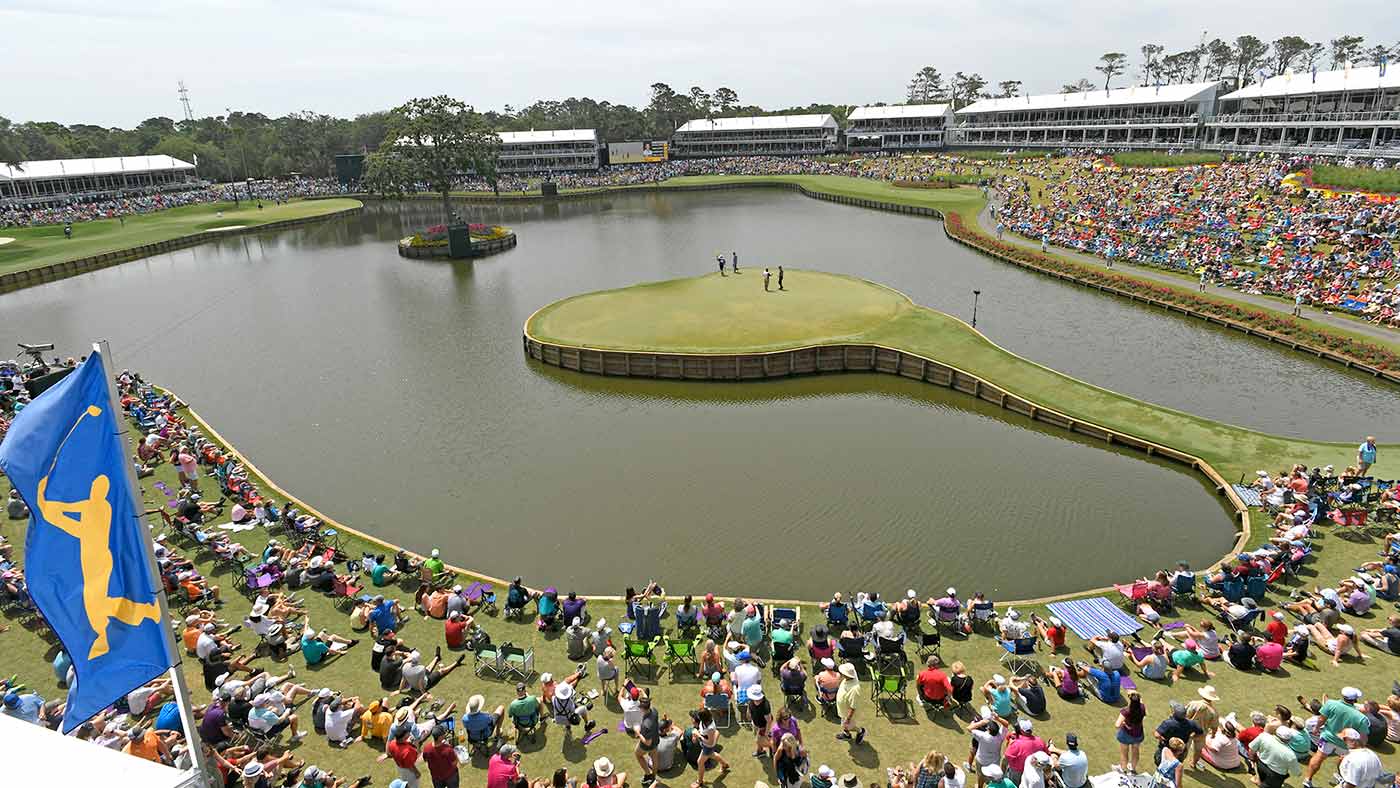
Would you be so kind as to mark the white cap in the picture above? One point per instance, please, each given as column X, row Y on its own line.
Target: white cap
column 910, row 594
column 1351, row 693
column 951, row 591
column 998, row 679
column 1025, row 726
column 436, row 553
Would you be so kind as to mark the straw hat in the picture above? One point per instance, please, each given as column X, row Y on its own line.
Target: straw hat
column 474, row 704
column 564, row 692
column 1208, row 692
column 603, row 767
column 848, row 781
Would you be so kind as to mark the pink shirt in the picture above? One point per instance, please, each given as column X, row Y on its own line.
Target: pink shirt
column 1021, row 748
column 187, row 464
column 500, row 772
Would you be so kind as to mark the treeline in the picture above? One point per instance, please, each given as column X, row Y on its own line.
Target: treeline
column 1244, row 60
column 249, row 144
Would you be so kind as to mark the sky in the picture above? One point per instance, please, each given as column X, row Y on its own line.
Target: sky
column 117, row 63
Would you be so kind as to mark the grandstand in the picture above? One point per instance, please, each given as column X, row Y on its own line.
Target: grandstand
column 765, row 135
column 1163, row 117
column 548, row 151
column 1348, row 112
column 85, row 180
column 899, row 128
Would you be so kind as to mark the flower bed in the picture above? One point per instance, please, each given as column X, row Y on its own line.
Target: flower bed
column 1274, row 323
column 437, row 235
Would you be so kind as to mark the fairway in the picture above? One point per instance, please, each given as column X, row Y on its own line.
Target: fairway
column 33, row 247
column 722, row 314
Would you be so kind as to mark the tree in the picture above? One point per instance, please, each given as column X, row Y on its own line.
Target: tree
column 432, row 140
column 664, row 108
column 11, row 152
column 966, row 88
column 1286, row 51
column 1176, row 67
column 1312, row 57
column 1249, row 52
column 701, row 100
column 1374, row 55
column 926, row 86
column 1346, row 49
column 1151, row 62
column 1082, row 86
column 1111, row 64
column 1219, row 57
column 725, row 99
column 1009, row 88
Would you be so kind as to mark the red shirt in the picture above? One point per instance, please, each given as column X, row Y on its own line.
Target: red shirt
column 934, row 684
column 456, row 632
column 403, row 753
column 1056, row 635
column 1278, row 631
column 442, row 760
column 1250, row 734
column 500, row 773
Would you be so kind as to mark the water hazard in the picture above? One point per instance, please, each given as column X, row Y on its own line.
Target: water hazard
column 394, row 395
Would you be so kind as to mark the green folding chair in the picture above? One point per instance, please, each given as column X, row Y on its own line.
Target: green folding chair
column 683, row 652
column 640, row 652
column 890, row 688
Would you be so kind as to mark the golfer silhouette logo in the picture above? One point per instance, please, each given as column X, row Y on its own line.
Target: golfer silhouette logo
column 90, row 522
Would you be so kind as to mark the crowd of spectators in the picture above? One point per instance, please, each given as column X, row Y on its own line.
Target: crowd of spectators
column 16, row 214
column 1237, row 225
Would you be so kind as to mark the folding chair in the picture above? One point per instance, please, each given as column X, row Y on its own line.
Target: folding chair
column 1020, row 655
column 890, row 687
column 718, row 702
column 487, row 659
column 838, row 614
column 889, row 655
column 344, row 591
column 1184, row 585
column 1132, row 594
column 782, row 652
column 482, row 744
column 639, row 652
column 518, row 661
column 1232, row 589
column 826, row 699
column 481, row 596
column 946, row 618
column 795, row 694
column 853, row 650
column 681, row 651
column 527, row 726
column 793, row 614
column 1244, row 623
column 1256, row 586
column 927, row 644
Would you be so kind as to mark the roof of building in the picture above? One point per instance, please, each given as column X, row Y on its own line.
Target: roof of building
column 73, row 168
column 760, row 123
column 899, row 111
column 556, row 135
column 1118, row 97
column 1290, row 84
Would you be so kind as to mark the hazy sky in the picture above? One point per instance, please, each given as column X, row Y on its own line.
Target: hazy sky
column 117, row 63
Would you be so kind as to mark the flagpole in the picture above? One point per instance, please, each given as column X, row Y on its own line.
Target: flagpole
column 177, row 674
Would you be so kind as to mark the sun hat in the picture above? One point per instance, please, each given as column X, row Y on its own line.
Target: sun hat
column 998, row 679
column 755, row 692
column 849, row 781
column 1208, row 692
column 1351, row 693
column 826, row 771
column 992, row 772
column 910, row 594
column 828, row 663
column 603, row 767
column 951, row 591
column 474, row 703
column 849, row 671
column 324, row 692
column 1026, row 726
column 253, row 769
column 564, row 692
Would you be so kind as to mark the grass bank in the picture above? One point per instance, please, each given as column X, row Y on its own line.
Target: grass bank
column 1357, row 179
column 1156, row 159
column 35, row 247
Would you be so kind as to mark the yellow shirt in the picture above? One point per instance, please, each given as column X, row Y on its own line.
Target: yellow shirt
column 374, row 723
column 846, row 696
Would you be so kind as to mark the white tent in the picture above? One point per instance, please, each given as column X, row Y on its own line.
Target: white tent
column 34, row 755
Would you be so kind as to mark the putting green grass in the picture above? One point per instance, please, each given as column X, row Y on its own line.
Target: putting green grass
column 722, row 314
column 34, row 247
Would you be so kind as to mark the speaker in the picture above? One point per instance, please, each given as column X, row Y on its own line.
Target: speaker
column 549, row 189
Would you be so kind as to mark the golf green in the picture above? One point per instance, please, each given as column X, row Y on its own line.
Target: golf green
column 722, row 314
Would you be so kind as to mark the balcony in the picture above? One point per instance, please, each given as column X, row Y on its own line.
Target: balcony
column 1097, row 123
column 1305, row 118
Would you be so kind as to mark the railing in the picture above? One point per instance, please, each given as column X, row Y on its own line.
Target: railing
column 1096, row 122
column 518, row 152
column 1306, row 117
column 1315, row 149
column 1188, row 144
column 857, row 129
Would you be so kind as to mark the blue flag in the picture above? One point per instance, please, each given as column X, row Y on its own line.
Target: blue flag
column 85, row 558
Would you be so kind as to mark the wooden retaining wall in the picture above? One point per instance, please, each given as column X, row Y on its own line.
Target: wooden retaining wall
column 50, row 273
column 916, row 210
column 479, row 249
column 819, row 359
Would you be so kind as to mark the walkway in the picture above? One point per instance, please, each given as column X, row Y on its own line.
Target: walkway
column 1368, row 330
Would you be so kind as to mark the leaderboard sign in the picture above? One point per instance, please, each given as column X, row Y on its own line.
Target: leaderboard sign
column 638, row 152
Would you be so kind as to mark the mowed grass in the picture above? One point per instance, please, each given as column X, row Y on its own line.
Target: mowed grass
column 1357, row 178
column 39, row 246
column 1159, row 159
column 721, row 314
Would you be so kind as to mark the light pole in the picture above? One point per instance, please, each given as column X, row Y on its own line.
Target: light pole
column 975, row 295
column 242, row 149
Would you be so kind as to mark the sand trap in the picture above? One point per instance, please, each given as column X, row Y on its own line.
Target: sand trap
column 227, row 227
column 4, row 241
